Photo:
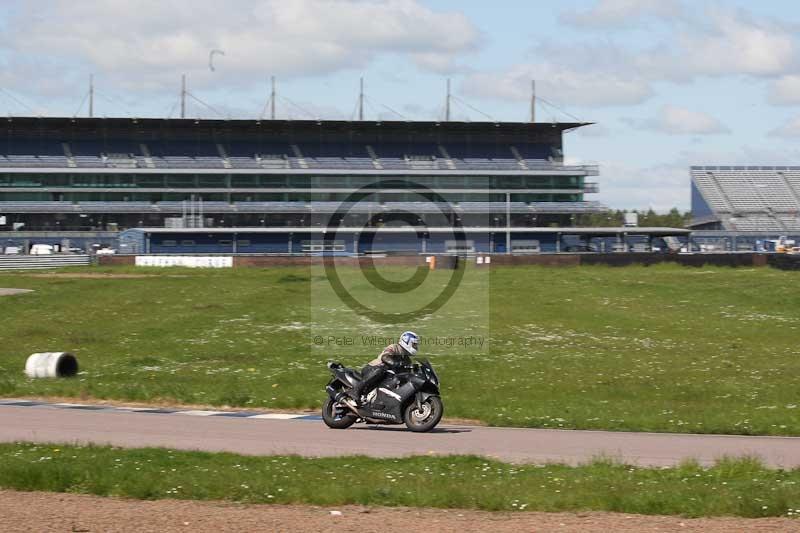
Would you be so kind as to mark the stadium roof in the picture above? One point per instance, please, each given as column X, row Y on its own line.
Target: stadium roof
column 238, row 125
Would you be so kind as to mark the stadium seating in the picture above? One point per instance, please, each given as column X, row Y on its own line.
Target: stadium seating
column 758, row 199
column 121, row 153
column 245, row 162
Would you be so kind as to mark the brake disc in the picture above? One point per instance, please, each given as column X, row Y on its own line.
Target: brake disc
column 424, row 413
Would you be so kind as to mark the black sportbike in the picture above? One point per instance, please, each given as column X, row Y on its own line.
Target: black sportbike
column 408, row 395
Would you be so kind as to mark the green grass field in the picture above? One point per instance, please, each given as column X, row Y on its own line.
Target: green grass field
column 662, row 348
column 739, row 487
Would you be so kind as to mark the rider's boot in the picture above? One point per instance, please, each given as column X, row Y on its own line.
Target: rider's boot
column 354, row 394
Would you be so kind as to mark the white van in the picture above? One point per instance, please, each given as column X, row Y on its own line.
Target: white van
column 42, row 249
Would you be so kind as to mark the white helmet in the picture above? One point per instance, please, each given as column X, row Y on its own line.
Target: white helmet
column 409, row 342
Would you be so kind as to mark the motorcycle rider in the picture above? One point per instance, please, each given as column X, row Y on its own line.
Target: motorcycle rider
column 393, row 356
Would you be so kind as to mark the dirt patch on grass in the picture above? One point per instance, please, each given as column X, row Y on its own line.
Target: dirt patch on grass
column 9, row 292
column 42, row 511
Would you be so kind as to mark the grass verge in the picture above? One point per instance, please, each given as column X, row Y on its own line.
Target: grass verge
column 661, row 348
column 739, row 487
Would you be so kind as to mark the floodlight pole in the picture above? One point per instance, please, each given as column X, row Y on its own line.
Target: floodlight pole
column 183, row 96
column 533, row 100
column 272, row 101
column 361, row 99
column 447, row 103
column 91, row 95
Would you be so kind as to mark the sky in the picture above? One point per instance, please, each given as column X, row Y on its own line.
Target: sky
column 668, row 83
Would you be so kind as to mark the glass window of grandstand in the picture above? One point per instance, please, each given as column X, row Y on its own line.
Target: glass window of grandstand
column 258, row 197
column 478, row 182
column 212, row 181
column 509, row 182
column 205, row 197
column 272, row 181
column 528, row 198
column 100, row 180
column 298, row 197
column 85, row 197
column 22, row 180
column 537, row 182
column 335, row 182
column 451, row 182
column 245, row 180
column 24, row 197
column 303, row 181
column 181, row 181
column 363, row 181
column 149, row 181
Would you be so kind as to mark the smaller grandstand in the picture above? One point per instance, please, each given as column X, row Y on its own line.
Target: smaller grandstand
column 752, row 199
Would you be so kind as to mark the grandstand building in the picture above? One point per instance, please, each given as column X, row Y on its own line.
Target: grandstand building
column 744, row 204
column 100, row 174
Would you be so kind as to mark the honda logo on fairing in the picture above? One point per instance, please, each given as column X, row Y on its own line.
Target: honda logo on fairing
column 382, row 415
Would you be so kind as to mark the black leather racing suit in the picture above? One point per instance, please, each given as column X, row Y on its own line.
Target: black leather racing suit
column 393, row 356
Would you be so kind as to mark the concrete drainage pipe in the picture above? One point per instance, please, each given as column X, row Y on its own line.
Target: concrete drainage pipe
column 51, row 365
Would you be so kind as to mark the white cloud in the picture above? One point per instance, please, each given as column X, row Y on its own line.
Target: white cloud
column 145, row 44
column 619, row 14
column 717, row 42
column 735, row 42
column 660, row 187
column 709, row 40
column 570, row 86
column 440, row 63
column 676, row 120
column 593, row 130
column 785, row 90
column 791, row 129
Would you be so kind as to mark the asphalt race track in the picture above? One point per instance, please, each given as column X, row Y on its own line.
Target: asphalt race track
column 241, row 433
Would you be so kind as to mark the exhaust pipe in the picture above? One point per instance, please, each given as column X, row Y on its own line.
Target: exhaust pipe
column 343, row 399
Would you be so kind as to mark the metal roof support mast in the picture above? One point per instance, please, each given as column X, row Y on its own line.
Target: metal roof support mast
column 91, row 95
column 272, row 100
column 183, row 96
column 361, row 99
column 447, row 103
column 533, row 100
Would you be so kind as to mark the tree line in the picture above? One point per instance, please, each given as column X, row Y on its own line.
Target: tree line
column 649, row 218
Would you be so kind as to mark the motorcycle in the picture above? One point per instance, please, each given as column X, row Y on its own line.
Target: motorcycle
column 407, row 396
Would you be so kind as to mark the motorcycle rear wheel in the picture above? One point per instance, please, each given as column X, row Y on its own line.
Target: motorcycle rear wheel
column 333, row 416
column 425, row 420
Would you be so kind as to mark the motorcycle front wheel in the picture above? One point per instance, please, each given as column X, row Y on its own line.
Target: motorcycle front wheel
column 426, row 418
column 335, row 416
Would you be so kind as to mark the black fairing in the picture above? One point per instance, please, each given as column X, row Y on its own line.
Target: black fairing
column 394, row 392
